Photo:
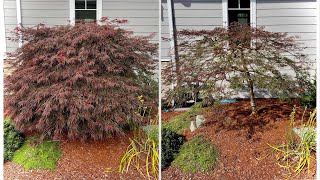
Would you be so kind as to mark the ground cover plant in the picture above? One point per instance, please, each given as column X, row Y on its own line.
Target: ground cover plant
column 296, row 154
column 13, row 140
column 170, row 146
column 43, row 155
column 222, row 62
column 198, row 154
column 78, row 81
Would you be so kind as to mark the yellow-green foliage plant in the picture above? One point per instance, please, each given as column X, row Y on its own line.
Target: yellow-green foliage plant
column 142, row 154
column 296, row 154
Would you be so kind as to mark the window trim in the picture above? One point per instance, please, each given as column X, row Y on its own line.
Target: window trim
column 72, row 8
column 253, row 13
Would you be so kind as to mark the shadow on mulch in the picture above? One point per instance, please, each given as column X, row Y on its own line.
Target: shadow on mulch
column 237, row 116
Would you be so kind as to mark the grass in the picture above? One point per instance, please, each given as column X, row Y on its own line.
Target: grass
column 38, row 156
column 182, row 122
column 197, row 155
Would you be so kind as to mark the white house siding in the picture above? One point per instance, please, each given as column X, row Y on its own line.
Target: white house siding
column 47, row 12
column 191, row 14
column 10, row 20
column 296, row 17
column 142, row 15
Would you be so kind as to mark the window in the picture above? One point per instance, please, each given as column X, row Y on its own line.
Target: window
column 86, row 10
column 239, row 11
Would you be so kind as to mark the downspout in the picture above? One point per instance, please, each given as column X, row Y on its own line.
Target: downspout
column 173, row 39
column 19, row 20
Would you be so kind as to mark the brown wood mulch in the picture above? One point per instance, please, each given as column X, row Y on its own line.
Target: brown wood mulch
column 242, row 141
column 91, row 160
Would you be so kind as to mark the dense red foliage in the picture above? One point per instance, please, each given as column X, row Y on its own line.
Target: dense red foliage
column 79, row 81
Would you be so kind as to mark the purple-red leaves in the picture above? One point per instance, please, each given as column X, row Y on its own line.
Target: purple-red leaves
column 77, row 81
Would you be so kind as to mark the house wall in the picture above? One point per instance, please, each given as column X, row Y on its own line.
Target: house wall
column 296, row 17
column 191, row 14
column 10, row 19
column 141, row 14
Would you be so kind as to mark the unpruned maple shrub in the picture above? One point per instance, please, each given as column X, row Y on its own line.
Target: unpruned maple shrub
column 222, row 62
column 79, row 81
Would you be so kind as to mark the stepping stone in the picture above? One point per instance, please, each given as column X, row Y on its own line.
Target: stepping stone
column 302, row 131
column 193, row 126
column 199, row 120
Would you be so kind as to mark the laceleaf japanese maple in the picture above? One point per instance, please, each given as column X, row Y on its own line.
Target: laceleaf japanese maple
column 225, row 61
column 79, row 82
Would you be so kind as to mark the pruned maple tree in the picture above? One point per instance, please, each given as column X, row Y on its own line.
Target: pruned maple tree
column 79, row 81
column 225, row 61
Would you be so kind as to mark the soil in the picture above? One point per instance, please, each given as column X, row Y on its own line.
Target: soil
column 95, row 160
column 242, row 141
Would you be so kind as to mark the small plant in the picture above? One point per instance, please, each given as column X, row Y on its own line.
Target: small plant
column 309, row 97
column 142, row 153
column 13, row 140
column 170, row 145
column 181, row 122
column 43, row 155
column 197, row 155
column 295, row 154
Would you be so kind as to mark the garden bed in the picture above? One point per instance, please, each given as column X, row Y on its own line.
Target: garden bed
column 243, row 140
column 94, row 160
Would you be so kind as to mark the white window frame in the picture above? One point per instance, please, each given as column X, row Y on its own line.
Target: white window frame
column 73, row 11
column 253, row 13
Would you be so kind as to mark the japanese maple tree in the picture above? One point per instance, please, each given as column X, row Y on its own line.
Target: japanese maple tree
column 225, row 61
column 79, row 82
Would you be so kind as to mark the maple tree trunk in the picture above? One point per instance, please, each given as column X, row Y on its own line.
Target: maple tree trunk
column 252, row 98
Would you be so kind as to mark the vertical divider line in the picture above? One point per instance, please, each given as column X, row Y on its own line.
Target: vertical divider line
column 318, row 88
column 2, row 57
column 159, row 85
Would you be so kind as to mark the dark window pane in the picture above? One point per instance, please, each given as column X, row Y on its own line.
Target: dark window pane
column 80, row 4
column 244, row 3
column 233, row 4
column 91, row 4
column 240, row 16
column 85, row 14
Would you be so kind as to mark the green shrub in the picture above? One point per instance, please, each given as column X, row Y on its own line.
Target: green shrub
column 13, row 139
column 170, row 145
column 182, row 121
column 196, row 155
column 309, row 97
column 38, row 156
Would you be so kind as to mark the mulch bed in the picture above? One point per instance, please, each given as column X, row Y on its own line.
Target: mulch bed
column 166, row 116
column 242, row 141
column 91, row 160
